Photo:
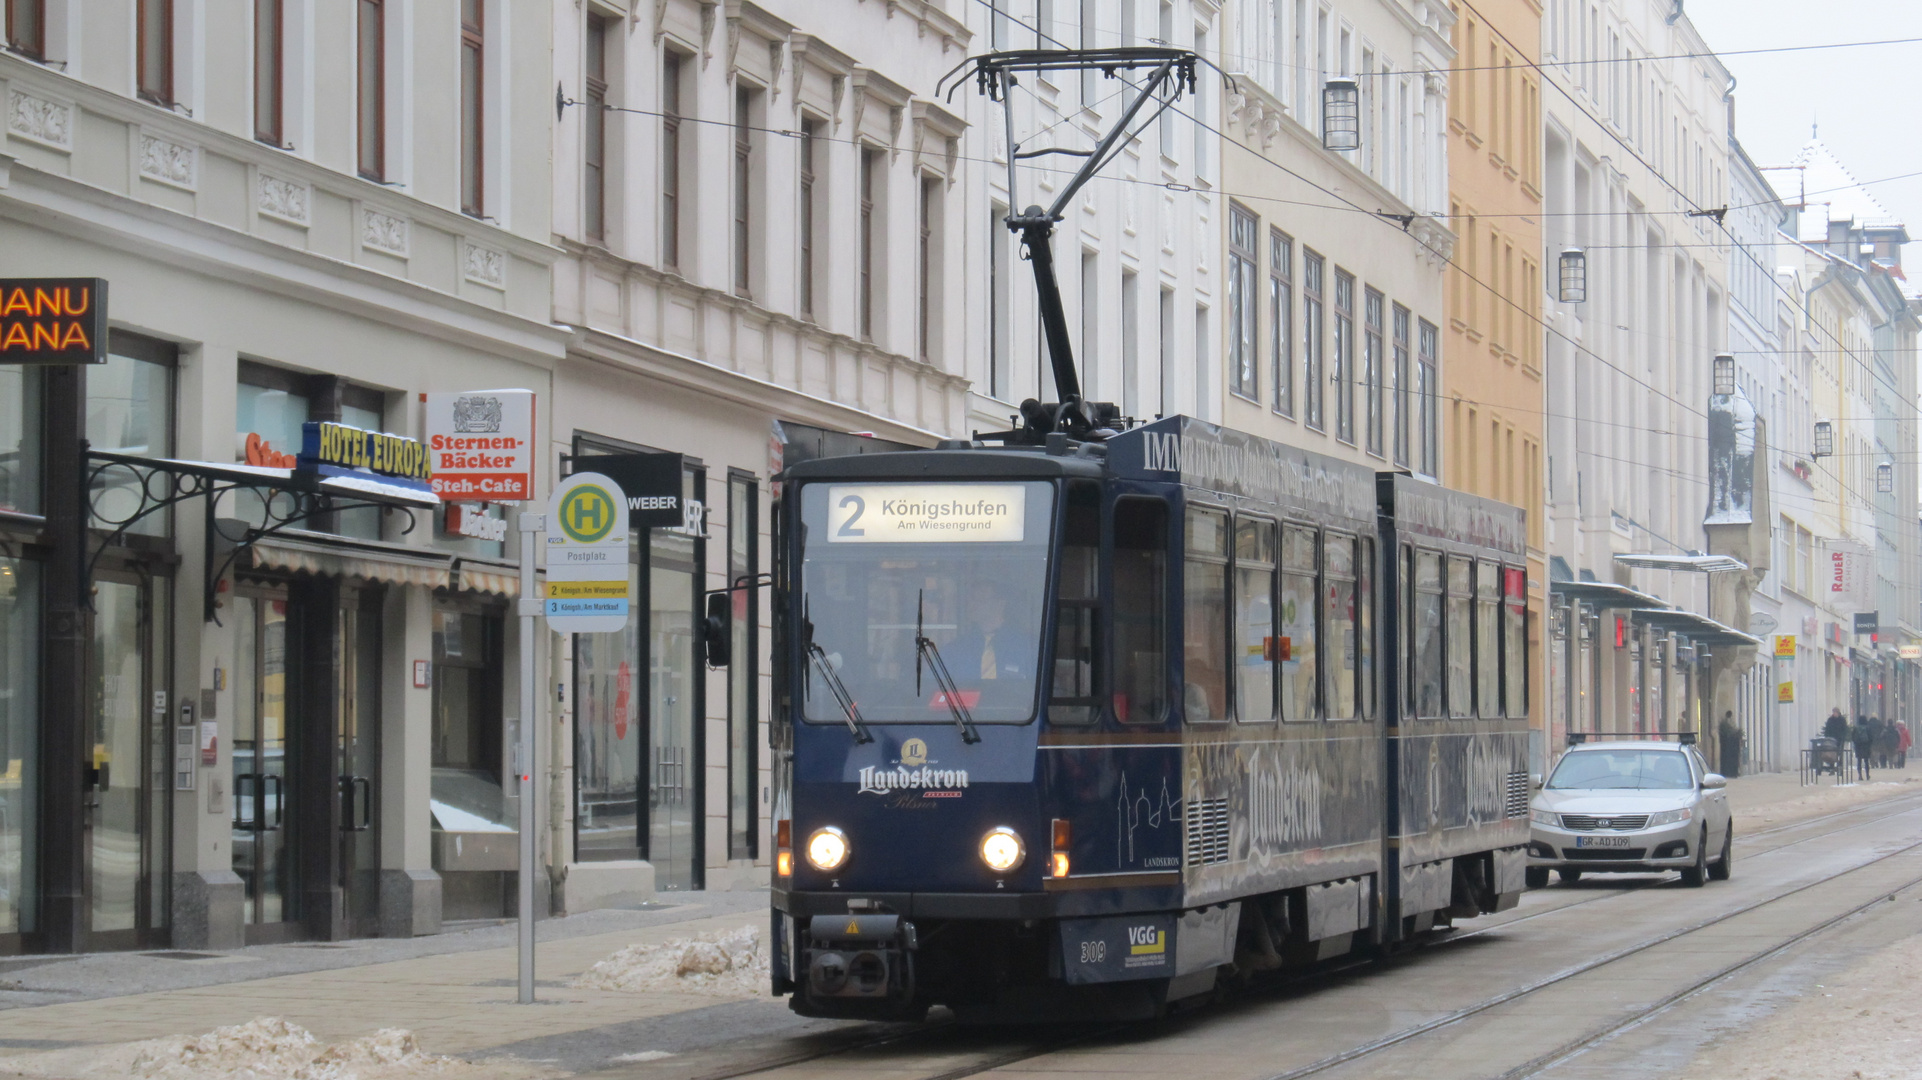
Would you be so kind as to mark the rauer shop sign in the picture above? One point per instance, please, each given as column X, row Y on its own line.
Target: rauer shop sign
column 53, row 321
column 483, row 445
column 587, row 568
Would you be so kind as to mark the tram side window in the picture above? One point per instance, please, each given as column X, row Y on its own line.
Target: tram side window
column 1140, row 610
column 1256, row 646
column 1457, row 637
column 1425, row 624
column 1365, row 626
column 1076, row 652
column 1515, row 639
column 1488, row 648
column 1204, row 616
column 1338, row 594
column 1300, row 675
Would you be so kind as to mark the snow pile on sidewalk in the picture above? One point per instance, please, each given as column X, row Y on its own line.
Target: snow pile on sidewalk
column 265, row 1048
column 269, row 1047
column 729, row 963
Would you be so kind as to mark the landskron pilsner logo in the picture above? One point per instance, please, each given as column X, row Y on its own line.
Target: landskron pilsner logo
column 914, row 752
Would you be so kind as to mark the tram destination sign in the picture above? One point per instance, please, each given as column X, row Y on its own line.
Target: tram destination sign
column 53, row 321
column 926, row 513
column 587, row 549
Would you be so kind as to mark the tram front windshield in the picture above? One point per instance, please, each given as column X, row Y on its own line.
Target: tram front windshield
column 961, row 565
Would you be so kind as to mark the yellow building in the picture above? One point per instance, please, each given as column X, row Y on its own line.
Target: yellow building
column 1492, row 349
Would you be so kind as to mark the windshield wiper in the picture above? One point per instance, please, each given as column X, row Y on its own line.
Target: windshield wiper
column 925, row 649
column 839, row 689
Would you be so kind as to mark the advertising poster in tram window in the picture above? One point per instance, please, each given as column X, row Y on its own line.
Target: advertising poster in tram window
column 587, row 541
column 482, row 443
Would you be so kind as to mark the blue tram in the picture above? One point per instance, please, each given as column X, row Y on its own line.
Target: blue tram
column 1087, row 727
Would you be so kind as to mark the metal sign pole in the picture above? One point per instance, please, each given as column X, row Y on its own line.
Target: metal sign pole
column 531, row 526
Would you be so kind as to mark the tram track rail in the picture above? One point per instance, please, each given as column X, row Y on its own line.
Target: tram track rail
column 1874, row 812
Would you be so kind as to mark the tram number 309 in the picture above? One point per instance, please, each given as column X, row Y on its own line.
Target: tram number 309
column 1094, row 952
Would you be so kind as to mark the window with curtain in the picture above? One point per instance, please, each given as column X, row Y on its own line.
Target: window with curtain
column 594, row 132
column 473, row 189
column 1281, row 321
column 1243, row 305
column 671, row 158
column 27, row 27
column 810, row 135
column 1404, row 386
column 1428, row 385
column 1344, row 373
column 1204, row 616
column 153, row 50
column 370, row 89
column 267, row 72
column 1312, row 388
column 1373, row 317
column 1255, row 641
column 870, row 168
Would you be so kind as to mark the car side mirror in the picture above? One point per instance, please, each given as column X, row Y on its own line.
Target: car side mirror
column 1535, row 780
column 717, row 636
column 1714, row 782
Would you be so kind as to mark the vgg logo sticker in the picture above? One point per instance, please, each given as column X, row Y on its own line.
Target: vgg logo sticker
column 1145, row 939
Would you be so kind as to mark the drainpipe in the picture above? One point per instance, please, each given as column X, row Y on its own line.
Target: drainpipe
column 1674, row 15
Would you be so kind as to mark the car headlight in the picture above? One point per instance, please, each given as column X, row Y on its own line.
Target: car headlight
column 827, row 848
column 1544, row 817
column 1670, row 817
column 1002, row 849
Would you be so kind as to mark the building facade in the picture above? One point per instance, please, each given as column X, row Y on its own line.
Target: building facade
column 1492, row 389
column 219, row 722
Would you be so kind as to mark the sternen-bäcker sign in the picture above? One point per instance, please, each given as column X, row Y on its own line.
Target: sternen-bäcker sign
column 482, row 442
column 53, row 321
column 587, row 549
column 926, row 513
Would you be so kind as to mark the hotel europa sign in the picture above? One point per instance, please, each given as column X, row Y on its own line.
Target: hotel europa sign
column 53, row 321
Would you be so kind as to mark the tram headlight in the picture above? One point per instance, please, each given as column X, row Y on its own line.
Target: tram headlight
column 1002, row 849
column 827, row 848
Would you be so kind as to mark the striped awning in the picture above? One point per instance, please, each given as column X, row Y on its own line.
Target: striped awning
column 355, row 562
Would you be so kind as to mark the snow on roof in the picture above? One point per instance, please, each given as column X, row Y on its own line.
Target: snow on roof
column 1833, row 193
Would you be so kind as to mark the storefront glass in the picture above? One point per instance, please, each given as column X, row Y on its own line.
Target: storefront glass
column 674, row 678
column 19, row 745
column 609, row 734
column 130, row 411
column 20, row 439
column 119, row 714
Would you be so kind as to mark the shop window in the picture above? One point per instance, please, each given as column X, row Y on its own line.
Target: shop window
column 1424, row 606
column 1140, row 610
column 469, row 792
column 1204, row 616
column 1457, row 638
column 1488, row 640
column 608, row 732
column 743, row 673
column 19, row 744
column 1077, row 605
column 271, row 406
column 1255, row 647
column 20, row 438
column 1296, row 651
column 130, row 411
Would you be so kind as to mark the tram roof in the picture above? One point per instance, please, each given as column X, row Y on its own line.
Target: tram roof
column 1197, row 454
column 1422, row 508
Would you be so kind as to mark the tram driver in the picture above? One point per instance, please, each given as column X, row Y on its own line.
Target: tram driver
column 987, row 649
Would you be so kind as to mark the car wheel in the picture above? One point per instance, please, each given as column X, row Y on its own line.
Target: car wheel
column 1569, row 876
column 1694, row 877
column 1724, row 867
column 1536, row 877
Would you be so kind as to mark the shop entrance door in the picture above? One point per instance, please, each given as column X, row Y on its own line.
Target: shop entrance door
column 262, row 799
column 675, row 680
column 126, row 803
column 357, row 656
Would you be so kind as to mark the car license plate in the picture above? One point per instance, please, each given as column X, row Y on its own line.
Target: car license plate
column 1601, row 841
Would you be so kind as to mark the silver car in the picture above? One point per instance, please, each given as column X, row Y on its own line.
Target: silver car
column 1631, row 807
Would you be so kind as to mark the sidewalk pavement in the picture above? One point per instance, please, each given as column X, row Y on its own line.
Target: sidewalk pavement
column 456, row 990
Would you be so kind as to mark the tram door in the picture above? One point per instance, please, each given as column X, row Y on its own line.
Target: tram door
column 259, row 788
column 126, row 807
column 675, row 679
column 357, row 661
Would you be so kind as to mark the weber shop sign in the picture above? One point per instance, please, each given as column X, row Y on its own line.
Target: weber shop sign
column 482, row 445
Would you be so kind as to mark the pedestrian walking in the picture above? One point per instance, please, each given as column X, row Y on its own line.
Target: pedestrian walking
column 1886, row 741
column 1836, row 727
column 1862, row 735
column 1902, row 744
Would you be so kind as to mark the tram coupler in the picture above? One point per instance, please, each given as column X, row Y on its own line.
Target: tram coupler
column 858, row 965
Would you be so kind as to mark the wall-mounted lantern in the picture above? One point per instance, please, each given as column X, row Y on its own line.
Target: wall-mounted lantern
column 1724, row 375
column 1885, row 477
column 1341, row 114
column 1824, row 439
column 1574, row 276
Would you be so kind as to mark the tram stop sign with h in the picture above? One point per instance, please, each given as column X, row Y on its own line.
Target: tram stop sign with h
column 587, row 549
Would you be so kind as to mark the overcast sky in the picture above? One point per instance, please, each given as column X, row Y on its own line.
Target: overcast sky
column 1864, row 100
